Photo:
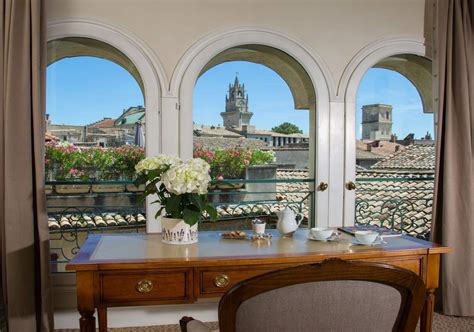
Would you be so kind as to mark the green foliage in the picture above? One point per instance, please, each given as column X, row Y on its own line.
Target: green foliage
column 69, row 162
column 287, row 128
column 231, row 163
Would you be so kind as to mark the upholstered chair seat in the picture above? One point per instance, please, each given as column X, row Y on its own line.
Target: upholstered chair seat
column 331, row 296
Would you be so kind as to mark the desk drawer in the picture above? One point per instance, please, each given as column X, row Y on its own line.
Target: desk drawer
column 412, row 263
column 214, row 281
column 145, row 286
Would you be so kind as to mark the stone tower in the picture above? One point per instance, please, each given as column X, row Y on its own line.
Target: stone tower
column 377, row 122
column 236, row 106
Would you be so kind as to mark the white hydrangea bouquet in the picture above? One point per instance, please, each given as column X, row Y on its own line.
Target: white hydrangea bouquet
column 181, row 190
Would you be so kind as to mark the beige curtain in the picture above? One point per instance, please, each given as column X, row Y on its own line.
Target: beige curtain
column 454, row 189
column 23, row 225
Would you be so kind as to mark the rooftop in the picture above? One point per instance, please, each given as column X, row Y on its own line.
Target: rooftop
column 104, row 123
column 213, row 131
column 413, row 157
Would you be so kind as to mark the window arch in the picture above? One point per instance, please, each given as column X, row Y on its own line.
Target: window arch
column 212, row 50
column 400, row 157
column 402, row 50
column 149, row 67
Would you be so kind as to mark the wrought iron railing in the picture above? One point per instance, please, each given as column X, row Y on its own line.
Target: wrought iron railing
column 79, row 208
column 75, row 215
column 397, row 202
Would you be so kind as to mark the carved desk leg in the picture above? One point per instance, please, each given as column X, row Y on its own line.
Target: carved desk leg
column 432, row 281
column 85, row 300
column 427, row 313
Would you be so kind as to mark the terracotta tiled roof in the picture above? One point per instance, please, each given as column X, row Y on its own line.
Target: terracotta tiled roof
column 67, row 221
column 363, row 154
column 401, row 200
column 414, row 157
column 50, row 138
column 104, row 123
column 382, row 197
column 367, row 149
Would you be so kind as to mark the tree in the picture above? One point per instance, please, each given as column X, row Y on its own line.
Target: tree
column 287, row 128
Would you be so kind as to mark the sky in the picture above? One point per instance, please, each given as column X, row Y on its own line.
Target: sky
column 83, row 90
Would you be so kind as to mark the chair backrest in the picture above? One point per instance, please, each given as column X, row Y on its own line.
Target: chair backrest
column 334, row 295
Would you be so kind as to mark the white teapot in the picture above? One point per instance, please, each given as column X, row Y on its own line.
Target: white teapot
column 288, row 222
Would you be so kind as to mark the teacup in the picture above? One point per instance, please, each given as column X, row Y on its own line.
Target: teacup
column 258, row 228
column 321, row 233
column 366, row 237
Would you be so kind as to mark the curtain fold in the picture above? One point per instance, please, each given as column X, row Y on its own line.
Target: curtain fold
column 24, row 238
column 453, row 218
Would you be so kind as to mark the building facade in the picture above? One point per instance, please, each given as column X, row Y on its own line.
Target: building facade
column 236, row 112
column 377, row 122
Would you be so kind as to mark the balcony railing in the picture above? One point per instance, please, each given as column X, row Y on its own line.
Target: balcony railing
column 399, row 203
column 88, row 208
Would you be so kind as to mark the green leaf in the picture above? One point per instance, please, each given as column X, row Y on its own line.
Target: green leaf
column 172, row 204
column 158, row 213
column 141, row 179
column 212, row 212
column 191, row 216
column 197, row 201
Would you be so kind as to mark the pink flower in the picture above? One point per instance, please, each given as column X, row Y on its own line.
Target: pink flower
column 246, row 162
column 73, row 171
column 220, row 177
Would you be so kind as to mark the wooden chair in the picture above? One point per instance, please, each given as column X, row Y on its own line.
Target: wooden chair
column 334, row 295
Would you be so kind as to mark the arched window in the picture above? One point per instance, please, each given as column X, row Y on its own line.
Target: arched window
column 95, row 136
column 282, row 103
column 395, row 155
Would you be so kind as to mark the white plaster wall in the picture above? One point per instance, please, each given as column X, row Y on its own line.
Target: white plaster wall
column 336, row 29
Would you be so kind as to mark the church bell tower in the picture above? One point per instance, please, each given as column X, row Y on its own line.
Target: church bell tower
column 236, row 106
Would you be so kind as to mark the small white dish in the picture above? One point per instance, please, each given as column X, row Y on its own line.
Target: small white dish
column 375, row 243
column 333, row 237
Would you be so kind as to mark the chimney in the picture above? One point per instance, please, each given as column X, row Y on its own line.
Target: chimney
column 397, row 148
column 369, row 147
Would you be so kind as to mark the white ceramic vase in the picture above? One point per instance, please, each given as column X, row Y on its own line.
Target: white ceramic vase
column 176, row 231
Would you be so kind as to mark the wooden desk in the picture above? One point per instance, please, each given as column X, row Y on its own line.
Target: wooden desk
column 138, row 269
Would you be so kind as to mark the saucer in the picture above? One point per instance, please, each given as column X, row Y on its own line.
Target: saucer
column 333, row 237
column 375, row 243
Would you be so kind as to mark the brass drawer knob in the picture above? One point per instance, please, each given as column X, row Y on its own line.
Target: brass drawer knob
column 144, row 286
column 221, row 281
